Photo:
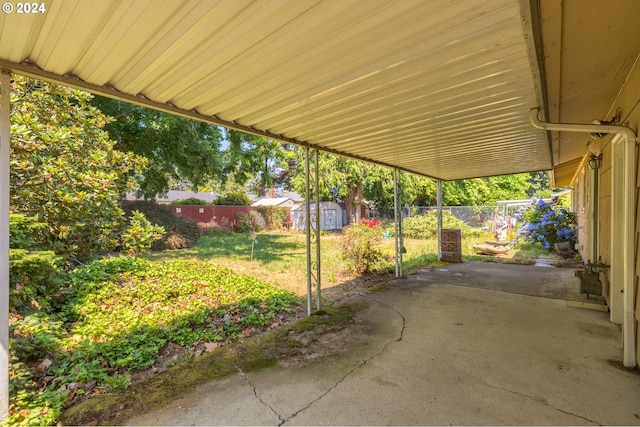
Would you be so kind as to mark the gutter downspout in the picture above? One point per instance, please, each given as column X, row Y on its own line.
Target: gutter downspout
column 627, row 139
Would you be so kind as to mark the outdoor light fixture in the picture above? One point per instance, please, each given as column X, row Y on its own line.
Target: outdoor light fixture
column 595, row 161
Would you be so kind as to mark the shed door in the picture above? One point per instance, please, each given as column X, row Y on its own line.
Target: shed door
column 330, row 219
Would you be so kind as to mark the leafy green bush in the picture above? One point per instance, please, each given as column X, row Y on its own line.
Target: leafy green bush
column 140, row 234
column 191, row 201
column 275, row 217
column 64, row 169
column 34, row 274
column 233, row 198
column 359, row 245
column 426, row 226
column 180, row 233
column 249, row 222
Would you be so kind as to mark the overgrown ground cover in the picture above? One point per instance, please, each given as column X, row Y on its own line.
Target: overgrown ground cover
column 120, row 316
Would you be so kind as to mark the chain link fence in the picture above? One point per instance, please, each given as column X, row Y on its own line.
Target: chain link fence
column 475, row 216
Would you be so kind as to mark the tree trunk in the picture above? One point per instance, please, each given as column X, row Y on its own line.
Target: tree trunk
column 353, row 203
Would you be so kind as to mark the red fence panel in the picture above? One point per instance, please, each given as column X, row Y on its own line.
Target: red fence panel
column 209, row 217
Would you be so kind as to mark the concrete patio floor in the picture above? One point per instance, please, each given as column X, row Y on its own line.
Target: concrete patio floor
column 466, row 344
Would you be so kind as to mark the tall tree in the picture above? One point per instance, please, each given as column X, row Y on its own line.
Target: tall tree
column 341, row 180
column 539, row 185
column 416, row 190
column 485, row 191
column 176, row 148
column 65, row 171
column 256, row 160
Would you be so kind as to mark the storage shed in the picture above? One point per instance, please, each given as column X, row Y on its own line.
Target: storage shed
column 330, row 216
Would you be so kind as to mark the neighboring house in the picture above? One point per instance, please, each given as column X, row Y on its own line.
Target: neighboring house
column 277, row 194
column 283, row 202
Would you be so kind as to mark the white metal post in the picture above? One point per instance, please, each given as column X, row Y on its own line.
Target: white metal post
column 316, row 180
column 307, row 225
column 312, row 225
column 397, row 217
column 5, row 135
column 439, row 215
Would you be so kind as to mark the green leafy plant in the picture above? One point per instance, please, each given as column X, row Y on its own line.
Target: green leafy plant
column 120, row 313
column 65, row 172
column 426, row 226
column 140, row 234
column 249, row 222
column 275, row 217
column 191, row 201
column 233, row 198
column 360, row 245
column 29, row 404
column 34, row 274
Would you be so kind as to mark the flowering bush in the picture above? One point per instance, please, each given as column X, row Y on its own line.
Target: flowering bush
column 546, row 223
column 360, row 245
column 371, row 223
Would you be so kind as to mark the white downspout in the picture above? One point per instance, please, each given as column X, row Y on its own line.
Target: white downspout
column 625, row 140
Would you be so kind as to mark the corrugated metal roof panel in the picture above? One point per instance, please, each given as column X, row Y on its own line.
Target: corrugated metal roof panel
column 439, row 88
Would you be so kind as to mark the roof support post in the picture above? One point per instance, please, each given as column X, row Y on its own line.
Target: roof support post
column 439, row 215
column 5, row 135
column 397, row 218
column 312, row 225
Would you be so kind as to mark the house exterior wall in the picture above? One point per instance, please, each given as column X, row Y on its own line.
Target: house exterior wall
column 626, row 109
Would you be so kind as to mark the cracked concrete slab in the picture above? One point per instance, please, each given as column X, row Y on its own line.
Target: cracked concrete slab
column 433, row 352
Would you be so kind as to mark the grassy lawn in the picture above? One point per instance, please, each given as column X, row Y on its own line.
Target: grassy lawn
column 279, row 257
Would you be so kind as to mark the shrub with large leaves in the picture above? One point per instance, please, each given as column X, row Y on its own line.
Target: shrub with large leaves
column 65, row 172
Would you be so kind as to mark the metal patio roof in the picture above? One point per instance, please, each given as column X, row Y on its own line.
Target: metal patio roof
column 438, row 88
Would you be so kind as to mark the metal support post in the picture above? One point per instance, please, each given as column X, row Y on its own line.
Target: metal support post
column 312, row 226
column 5, row 135
column 397, row 215
column 439, row 215
column 316, row 176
